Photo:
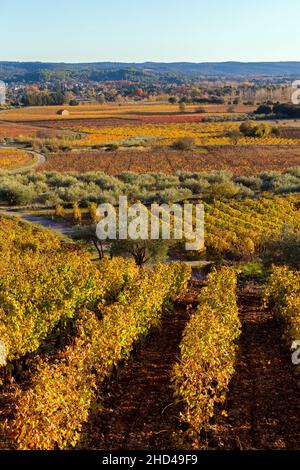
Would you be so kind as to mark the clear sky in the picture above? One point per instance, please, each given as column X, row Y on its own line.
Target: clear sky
column 149, row 30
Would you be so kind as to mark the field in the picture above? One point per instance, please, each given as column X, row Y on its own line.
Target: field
column 121, row 111
column 71, row 323
column 11, row 159
column 240, row 160
column 93, row 355
column 138, row 125
column 209, row 134
column 143, row 134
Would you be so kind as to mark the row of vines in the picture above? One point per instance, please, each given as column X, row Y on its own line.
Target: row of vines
column 49, row 291
column 207, row 353
column 241, row 227
column 282, row 295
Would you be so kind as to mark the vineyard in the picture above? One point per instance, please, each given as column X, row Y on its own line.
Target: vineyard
column 240, row 160
column 68, row 319
column 283, row 296
column 112, row 111
column 207, row 134
column 146, row 125
column 11, row 159
column 242, row 228
column 74, row 331
column 105, row 347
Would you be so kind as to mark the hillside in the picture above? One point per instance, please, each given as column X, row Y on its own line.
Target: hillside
column 119, row 71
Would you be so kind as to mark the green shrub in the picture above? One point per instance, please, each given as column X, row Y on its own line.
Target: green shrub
column 184, row 144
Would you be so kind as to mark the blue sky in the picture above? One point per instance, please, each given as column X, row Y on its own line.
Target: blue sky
column 156, row 30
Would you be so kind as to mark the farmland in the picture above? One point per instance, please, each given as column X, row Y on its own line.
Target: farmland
column 141, row 135
column 106, row 315
column 149, row 234
column 240, row 160
column 96, row 356
column 11, row 159
column 112, row 111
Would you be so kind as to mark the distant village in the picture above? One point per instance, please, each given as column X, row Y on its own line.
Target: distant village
column 209, row 91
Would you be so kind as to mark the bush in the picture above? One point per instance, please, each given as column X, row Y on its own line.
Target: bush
column 172, row 195
column 197, row 186
column 59, row 210
column 112, row 147
column 16, row 194
column 184, row 144
column 252, row 182
column 224, row 190
column 282, row 250
column 264, row 109
column 250, row 129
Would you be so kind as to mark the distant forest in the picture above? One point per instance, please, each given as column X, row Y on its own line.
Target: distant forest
column 146, row 72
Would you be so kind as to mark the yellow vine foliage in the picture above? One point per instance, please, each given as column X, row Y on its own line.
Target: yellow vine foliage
column 13, row 158
column 207, row 352
column 240, row 227
column 282, row 294
column 51, row 413
column 44, row 283
column 203, row 133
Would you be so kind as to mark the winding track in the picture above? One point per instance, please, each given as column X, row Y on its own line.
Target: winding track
column 60, row 227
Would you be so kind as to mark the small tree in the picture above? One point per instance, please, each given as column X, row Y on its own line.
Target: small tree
column 93, row 212
column 251, row 129
column 182, row 107
column 234, row 136
column 185, row 143
column 283, row 250
column 88, row 234
column 263, row 130
column 247, row 128
column 142, row 251
column 264, row 109
column 77, row 216
column 59, row 211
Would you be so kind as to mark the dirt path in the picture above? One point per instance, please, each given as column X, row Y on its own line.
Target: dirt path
column 264, row 399
column 60, row 227
column 139, row 406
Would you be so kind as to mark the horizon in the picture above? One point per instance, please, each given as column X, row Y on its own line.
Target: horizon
column 152, row 62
